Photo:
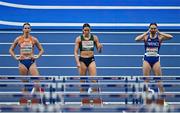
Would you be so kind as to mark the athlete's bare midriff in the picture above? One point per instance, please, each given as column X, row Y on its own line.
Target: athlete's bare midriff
column 26, row 56
column 87, row 54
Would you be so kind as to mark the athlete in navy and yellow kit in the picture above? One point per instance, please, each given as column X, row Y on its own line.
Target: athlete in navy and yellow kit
column 86, row 62
column 152, row 41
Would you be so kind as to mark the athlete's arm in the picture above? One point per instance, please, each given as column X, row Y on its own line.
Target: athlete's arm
column 164, row 36
column 13, row 46
column 76, row 48
column 98, row 44
column 40, row 48
column 141, row 37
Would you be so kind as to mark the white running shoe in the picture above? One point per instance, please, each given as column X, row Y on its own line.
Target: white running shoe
column 151, row 90
column 33, row 91
column 90, row 90
column 150, row 93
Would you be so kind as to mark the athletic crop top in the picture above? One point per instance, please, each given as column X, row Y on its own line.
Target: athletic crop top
column 26, row 45
column 152, row 46
column 87, row 45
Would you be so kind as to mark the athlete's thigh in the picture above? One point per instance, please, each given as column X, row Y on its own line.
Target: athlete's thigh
column 22, row 69
column 33, row 70
column 146, row 68
column 83, row 68
column 92, row 68
column 157, row 69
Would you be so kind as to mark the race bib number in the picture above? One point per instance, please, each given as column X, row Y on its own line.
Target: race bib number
column 152, row 52
column 26, row 48
column 87, row 45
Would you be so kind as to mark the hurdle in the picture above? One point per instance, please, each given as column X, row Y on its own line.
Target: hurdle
column 62, row 93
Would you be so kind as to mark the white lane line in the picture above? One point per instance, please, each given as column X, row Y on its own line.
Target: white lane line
column 24, row 6
column 70, row 67
column 11, row 23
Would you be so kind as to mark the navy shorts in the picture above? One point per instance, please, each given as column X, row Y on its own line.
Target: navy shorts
column 27, row 62
column 151, row 60
column 87, row 61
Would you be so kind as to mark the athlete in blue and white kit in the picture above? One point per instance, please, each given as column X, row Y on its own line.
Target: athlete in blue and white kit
column 152, row 41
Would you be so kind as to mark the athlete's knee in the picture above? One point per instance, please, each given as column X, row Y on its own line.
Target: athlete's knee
column 158, row 73
column 92, row 71
column 34, row 72
column 94, row 81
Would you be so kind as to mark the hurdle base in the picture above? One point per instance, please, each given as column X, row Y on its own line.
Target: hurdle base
column 160, row 102
column 24, row 101
column 85, row 101
column 35, row 101
column 94, row 101
column 97, row 101
column 157, row 101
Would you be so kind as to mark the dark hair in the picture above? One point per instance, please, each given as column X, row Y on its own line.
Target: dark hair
column 26, row 24
column 86, row 25
column 153, row 24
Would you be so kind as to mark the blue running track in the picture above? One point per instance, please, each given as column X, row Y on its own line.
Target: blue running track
column 116, row 23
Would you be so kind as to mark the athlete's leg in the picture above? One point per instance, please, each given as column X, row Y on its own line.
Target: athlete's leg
column 92, row 72
column 97, row 100
column 82, row 72
column 33, row 70
column 82, row 69
column 37, row 88
column 158, row 72
column 146, row 70
column 92, row 68
column 22, row 69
